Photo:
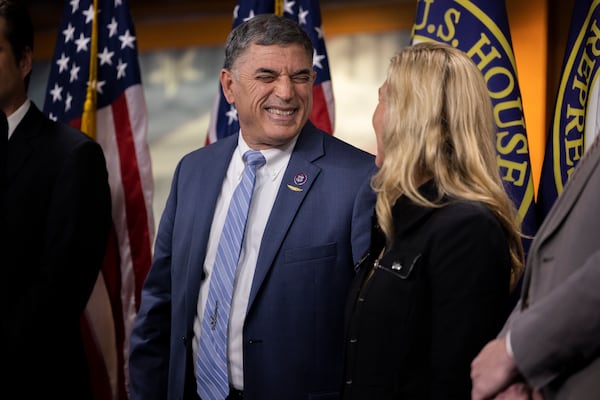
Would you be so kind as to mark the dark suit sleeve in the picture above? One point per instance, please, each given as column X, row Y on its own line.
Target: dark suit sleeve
column 469, row 286
column 149, row 342
column 560, row 331
column 362, row 217
column 75, row 236
column 78, row 226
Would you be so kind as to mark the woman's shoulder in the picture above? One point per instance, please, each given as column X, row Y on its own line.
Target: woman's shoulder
column 466, row 213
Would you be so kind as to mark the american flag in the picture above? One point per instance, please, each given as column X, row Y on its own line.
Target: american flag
column 117, row 118
column 223, row 119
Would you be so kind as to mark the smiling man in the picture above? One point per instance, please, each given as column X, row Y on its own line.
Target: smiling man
column 259, row 317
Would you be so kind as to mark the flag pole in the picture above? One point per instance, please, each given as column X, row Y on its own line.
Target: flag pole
column 278, row 7
column 88, row 119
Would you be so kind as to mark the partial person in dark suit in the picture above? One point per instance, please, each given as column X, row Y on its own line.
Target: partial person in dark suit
column 3, row 145
column 550, row 346
column 309, row 222
column 434, row 287
column 55, row 217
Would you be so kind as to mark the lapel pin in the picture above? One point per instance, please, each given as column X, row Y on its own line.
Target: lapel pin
column 300, row 179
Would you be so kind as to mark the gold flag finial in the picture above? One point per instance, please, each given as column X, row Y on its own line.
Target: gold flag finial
column 88, row 118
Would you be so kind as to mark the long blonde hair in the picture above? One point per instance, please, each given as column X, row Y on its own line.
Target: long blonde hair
column 439, row 124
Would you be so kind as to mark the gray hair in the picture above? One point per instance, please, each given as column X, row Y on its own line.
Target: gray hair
column 264, row 30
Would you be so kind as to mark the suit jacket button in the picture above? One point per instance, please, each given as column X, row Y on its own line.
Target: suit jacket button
column 353, row 340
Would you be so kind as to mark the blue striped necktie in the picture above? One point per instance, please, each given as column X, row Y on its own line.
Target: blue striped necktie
column 211, row 364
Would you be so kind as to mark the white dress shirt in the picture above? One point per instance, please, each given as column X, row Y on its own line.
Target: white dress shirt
column 268, row 180
column 15, row 118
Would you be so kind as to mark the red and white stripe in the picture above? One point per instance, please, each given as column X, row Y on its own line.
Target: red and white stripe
column 323, row 111
column 111, row 310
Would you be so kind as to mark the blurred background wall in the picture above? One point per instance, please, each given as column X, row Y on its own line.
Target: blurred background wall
column 180, row 45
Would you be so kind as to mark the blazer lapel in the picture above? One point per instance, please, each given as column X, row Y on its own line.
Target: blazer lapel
column 563, row 205
column 207, row 187
column 298, row 180
column 568, row 198
column 20, row 146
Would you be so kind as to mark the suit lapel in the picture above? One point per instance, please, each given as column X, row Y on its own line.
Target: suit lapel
column 207, row 187
column 563, row 205
column 21, row 144
column 568, row 198
column 292, row 193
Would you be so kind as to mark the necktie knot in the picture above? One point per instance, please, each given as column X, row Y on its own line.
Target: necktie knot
column 254, row 158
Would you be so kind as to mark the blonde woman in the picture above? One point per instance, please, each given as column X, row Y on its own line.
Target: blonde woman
column 446, row 249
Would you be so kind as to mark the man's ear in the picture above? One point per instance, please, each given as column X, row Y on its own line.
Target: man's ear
column 26, row 62
column 226, row 83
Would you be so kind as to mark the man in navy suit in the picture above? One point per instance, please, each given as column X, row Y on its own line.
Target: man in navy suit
column 308, row 223
column 55, row 216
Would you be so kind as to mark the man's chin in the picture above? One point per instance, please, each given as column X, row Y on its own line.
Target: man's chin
column 278, row 137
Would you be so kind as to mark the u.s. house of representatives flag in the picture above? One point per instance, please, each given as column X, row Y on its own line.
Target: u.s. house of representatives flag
column 576, row 120
column 223, row 119
column 116, row 117
column 480, row 29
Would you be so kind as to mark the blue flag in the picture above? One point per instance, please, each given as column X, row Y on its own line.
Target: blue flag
column 480, row 29
column 576, row 118
column 223, row 119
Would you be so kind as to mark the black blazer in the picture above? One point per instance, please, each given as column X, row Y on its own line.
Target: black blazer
column 434, row 300
column 55, row 220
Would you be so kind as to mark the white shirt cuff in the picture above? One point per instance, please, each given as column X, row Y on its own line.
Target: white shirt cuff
column 509, row 349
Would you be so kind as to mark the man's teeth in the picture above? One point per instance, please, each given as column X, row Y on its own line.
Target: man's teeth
column 280, row 112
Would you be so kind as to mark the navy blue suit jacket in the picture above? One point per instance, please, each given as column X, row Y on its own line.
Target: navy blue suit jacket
column 293, row 331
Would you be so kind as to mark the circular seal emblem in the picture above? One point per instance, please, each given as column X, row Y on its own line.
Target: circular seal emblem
column 300, row 179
